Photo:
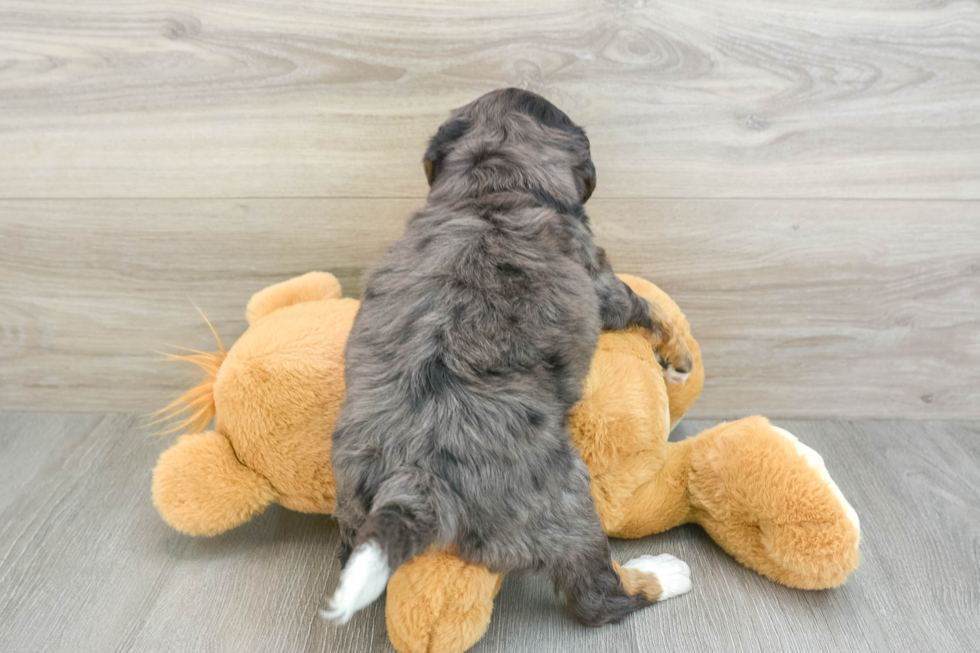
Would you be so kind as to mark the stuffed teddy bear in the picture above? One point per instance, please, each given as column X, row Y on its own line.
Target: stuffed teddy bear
column 761, row 494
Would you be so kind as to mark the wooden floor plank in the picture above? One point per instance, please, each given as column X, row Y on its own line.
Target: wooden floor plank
column 920, row 510
column 802, row 308
column 87, row 565
column 245, row 98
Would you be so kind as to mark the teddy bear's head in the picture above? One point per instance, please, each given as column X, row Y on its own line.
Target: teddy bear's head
column 274, row 398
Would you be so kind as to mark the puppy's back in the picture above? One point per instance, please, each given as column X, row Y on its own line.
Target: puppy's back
column 474, row 333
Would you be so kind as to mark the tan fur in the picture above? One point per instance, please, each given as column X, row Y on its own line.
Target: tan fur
column 436, row 602
column 277, row 393
column 276, row 397
column 203, row 489
column 636, row 582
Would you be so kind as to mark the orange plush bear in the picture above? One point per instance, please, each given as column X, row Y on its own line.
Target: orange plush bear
column 761, row 494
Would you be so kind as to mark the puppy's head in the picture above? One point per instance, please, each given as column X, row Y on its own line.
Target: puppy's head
column 510, row 139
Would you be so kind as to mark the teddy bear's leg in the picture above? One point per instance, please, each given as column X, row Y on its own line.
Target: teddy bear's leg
column 437, row 603
column 767, row 499
column 659, row 502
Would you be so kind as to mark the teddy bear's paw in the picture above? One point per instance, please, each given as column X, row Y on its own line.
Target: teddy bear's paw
column 815, row 461
column 673, row 575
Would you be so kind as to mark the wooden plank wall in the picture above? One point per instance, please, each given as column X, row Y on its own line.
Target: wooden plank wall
column 804, row 178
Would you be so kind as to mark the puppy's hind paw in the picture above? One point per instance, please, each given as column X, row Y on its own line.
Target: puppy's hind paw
column 673, row 575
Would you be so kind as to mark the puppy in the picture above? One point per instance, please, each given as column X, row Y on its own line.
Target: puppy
column 474, row 334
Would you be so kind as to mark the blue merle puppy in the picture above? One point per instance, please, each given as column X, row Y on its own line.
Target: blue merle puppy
column 474, row 335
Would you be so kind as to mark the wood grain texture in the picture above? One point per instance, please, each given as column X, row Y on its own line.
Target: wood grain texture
column 251, row 98
column 204, row 150
column 802, row 308
column 87, row 565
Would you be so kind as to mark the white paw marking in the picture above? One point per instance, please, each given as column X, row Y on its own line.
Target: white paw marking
column 362, row 580
column 673, row 376
column 673, row 575
column 815, row 461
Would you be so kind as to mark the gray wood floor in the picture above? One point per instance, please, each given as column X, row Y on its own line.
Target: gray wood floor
column 87, row 565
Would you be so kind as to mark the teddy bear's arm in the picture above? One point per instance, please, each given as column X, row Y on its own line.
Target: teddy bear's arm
column 201, row 488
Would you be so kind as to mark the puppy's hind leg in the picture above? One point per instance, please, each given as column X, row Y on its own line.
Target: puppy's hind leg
column 658, row 578
column 599, row 590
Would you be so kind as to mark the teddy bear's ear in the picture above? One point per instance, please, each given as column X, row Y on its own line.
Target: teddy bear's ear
column 310, row 287
column 200, row 488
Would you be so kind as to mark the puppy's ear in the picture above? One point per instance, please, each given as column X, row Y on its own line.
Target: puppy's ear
column 430, row 169
column 441, row 144
column 586, row 177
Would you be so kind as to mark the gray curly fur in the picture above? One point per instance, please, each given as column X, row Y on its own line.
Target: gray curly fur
column 474, row 334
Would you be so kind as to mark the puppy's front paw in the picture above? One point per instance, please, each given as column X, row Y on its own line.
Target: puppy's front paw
column 673, row 376
column 675, row 359
column 673, row 575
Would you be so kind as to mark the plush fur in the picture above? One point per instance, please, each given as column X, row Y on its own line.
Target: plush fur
column 766, row 502
column 274, row 398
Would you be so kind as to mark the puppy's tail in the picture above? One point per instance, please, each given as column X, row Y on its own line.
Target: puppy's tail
column 409, row 513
